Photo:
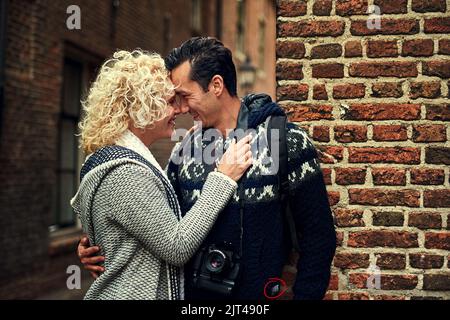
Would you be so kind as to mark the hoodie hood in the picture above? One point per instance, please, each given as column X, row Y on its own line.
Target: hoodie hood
column 257, row 107
column 83, row 200
column 128, row 149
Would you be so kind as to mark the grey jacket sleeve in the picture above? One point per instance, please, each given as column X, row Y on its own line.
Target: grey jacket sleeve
column 138, row 202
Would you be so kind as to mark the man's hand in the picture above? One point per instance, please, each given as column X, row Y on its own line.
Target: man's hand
column 88, row 257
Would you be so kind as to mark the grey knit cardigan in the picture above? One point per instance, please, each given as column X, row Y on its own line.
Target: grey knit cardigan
column 124, row 209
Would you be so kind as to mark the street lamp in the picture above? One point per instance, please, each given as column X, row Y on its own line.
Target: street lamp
column 247, row 75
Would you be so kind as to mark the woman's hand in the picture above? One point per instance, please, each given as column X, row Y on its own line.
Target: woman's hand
column 88, row 257
column 236, row 159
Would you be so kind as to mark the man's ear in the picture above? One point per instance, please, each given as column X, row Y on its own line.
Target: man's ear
column 216, row 85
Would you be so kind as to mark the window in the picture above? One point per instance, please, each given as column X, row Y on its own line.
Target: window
column 261, row 42
column 76, row 76
column 196, row 17
column 240, row 45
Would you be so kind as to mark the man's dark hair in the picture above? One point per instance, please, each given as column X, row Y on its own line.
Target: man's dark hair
column 208, row 57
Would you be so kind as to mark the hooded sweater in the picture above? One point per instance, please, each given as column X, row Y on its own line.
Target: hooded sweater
column 265, row 238
column 128, row 208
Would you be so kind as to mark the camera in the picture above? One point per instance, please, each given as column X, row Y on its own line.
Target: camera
column 217, row 269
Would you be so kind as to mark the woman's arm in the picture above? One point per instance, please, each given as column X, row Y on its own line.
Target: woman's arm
column 138, row 202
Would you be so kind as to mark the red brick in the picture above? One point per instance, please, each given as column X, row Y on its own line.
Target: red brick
column 328, row 70
column 439, row 68
column 339, row 238
column 321, row 133
column 383, row 111
column 384, row 197
column 382, row 238
column 425, row 261
column 425, row 220
column 349, row 91
column 334, row 282
column 348, row 217
column 307, row 112
column 322, row 7
column 437, row 240
column 426, row 176
column 444, row 46
column 428, row 5
column 346, row 260
column 307, row 28
column 383, row 69
column 388, row 176
column 351, row 7
column 388, row 218
column 428, row 89
column 390, row 133
column 324, row 51
column 326, row 172
column 382, row 48
column 438, row 198
column 391, row 261
column 333, row 197
column 439, row 112
column 388, row 297
column 320, row 92
column 353, row 49
column 429, row 133
column 437, row 155
column 328, row 296
column 389, row 6
column 292, row 92
column 350, row 133
column 437, row 25
column 330, row 154
column 346, row 176
column 290, row 49
column 418, row 47
column 388, row 26
column 436, row 282
column 388, row 282
column 289, row 70
column 405, row 155
column 387, row 90
column 289, row 8
column 353, row 296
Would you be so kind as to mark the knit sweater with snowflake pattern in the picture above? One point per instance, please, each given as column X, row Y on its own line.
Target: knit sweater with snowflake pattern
column 265, row 236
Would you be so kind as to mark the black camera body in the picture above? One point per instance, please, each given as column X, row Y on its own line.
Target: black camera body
column 217, row 269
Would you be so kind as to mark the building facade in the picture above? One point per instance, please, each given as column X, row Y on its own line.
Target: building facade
column 50, row 53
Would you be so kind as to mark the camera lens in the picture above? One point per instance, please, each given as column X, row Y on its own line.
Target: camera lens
column 215, row 261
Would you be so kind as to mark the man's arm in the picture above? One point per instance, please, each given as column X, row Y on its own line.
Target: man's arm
column 88, row 257
column 313, row 217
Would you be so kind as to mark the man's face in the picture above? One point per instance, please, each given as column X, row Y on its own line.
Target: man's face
column 202, row 105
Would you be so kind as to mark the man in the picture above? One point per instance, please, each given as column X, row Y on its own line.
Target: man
column 252, row 225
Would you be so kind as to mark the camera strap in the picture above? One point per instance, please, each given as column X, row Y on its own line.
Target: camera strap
column 279, row 123
column 241, row 217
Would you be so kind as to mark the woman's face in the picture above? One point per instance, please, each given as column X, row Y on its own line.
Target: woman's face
column 164, row 128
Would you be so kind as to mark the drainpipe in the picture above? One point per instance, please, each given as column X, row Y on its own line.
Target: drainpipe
column 3, row 15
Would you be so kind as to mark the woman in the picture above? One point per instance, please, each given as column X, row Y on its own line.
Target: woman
column 125, row 201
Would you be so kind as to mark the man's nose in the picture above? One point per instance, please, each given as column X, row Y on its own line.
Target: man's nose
column 182, row 108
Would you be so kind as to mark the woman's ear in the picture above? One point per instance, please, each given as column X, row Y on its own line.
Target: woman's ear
column 216, row 85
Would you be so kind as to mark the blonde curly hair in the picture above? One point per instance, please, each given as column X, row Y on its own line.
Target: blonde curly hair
column 130, row 86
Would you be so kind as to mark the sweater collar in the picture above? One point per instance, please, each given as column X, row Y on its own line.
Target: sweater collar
column 132, row 142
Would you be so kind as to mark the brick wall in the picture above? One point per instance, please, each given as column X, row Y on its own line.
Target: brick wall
column 32, row 262
column 376, row 103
